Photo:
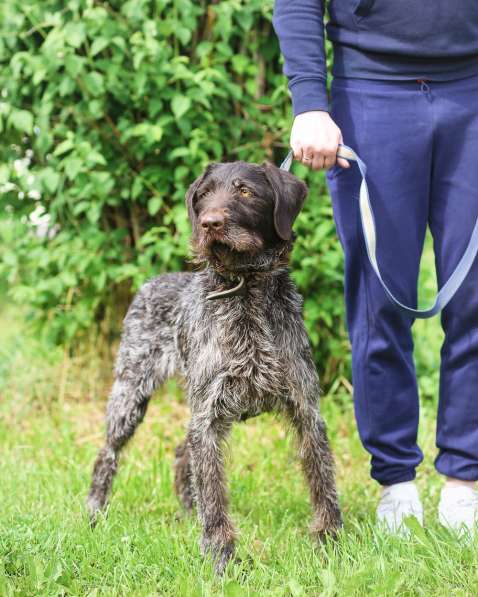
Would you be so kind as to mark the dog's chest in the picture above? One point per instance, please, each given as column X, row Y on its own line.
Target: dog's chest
column 245, row 348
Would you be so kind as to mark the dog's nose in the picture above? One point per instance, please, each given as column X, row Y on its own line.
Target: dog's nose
column 213, row 221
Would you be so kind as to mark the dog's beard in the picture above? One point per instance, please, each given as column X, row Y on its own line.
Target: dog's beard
column 227, row 246
column 248, row 252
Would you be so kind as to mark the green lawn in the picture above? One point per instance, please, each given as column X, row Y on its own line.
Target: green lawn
column 51, row 426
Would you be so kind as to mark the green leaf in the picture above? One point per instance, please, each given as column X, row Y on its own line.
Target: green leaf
column 75, row 34
column 180, row 105
column 72, row 166
column 22, row 120
column 95, row 108
column 50, row 179
column 140, row 130
column 4, row 173
column 150, row 131
column 94, row 83
column 66, row 87
column 73, row 64
column 183, row 34
column 80, row 207
column 94, row 212
column 95, row 157
column 137, row 188
column 99, row 44
column 63, row 147
column 156, row 132
column 154, row 204
column 39, row 75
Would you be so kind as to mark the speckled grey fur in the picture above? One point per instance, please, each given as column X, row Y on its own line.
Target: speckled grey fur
column 239, row 356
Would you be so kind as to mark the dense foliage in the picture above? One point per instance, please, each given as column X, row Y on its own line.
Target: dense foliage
column 108, row 110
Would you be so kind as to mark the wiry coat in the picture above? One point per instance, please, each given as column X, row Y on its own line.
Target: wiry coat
column 239, row 356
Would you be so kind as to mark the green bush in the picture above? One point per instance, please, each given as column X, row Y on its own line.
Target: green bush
column 108, row 111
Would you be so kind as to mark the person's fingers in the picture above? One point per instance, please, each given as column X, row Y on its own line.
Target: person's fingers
column 343, row 163
column 330, row 156
column 318, row 158
column 318, row 162
column 308, row 154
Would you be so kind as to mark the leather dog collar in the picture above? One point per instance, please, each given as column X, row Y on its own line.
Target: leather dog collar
column 234, row 291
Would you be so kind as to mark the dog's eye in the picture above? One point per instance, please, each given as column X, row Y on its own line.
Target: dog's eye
column 245, row 192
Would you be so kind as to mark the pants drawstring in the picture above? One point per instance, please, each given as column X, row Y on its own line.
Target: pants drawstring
column 425, row 88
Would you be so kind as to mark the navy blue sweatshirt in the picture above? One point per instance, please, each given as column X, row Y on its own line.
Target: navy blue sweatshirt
column 374, row 39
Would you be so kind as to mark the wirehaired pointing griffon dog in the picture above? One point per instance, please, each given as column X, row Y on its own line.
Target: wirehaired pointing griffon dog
column 235, row 333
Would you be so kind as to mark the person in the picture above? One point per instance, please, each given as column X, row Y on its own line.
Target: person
column 404, row 96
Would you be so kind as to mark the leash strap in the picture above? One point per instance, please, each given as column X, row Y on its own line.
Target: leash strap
column 454, row 282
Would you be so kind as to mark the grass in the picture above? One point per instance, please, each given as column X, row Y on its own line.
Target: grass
column 51, row 424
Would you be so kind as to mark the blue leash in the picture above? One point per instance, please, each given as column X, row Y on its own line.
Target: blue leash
column 453, row 283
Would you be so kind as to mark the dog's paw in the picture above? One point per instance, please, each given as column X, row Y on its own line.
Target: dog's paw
column 221, row 546
column 94, row 507
column 326, row 525
column 223, row 556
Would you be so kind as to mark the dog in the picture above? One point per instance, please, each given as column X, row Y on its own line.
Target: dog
column 234, row 332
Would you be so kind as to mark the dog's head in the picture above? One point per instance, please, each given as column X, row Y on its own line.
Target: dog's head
column 241, row 208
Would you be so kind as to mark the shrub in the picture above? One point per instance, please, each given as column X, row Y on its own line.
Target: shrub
column 108, row 110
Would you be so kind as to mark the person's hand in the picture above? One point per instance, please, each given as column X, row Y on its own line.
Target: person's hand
column 314, row 139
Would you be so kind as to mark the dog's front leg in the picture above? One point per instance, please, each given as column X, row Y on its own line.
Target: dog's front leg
column 205, row 436
column 318, row 465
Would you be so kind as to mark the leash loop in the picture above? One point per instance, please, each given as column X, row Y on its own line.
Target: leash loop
column 448, row 290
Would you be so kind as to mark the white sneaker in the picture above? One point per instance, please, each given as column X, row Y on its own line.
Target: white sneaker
column 398, row 502
column 458, row 508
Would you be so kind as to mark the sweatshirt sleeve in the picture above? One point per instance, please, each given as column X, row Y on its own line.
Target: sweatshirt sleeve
column 299, row 25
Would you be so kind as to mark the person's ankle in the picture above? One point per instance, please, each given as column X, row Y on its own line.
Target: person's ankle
column 451, row 482
column 398, row 486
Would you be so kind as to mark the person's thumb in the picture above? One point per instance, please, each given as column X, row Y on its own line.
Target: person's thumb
column 343, row 163
column 297, row 149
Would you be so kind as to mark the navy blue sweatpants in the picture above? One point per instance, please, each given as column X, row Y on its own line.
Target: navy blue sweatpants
column 420, row 144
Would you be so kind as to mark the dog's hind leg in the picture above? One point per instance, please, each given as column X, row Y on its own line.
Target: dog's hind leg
column 318, row 466
column 183, row 482
column 147, row 356
column 126, row 409
column 140, row 369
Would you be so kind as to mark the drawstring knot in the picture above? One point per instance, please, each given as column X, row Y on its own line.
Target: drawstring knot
column 425, row 88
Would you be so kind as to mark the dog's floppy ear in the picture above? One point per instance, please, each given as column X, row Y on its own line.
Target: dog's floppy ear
column 192, row 190
column 289, row 194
